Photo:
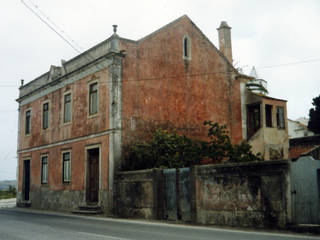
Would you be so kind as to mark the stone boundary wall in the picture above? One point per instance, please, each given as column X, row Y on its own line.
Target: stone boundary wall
column 137, row 194
column 243, row 195
column 247, row 195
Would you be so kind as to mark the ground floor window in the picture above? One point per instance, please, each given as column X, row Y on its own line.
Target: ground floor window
column 44, row 169
column 66, row 166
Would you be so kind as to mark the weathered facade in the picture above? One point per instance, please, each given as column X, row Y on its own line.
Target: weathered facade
column 224, row 194
column 305, row 146
column 297, row 129
column 76, row 119
column 267, row 127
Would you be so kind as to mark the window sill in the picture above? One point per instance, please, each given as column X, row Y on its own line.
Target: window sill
column 45, row 130
column 93, row 115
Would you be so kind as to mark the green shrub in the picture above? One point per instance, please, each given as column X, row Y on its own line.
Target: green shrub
column 171, row 150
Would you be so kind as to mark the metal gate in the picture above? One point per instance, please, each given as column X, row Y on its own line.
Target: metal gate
column 177, row 204
column 305, row 190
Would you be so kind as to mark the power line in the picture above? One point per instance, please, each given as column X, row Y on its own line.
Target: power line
column 290, row 63
column 60, row 35
column 92, row 58
column 56, row 26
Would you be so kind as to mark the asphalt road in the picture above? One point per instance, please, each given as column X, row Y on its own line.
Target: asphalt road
column 21, row 224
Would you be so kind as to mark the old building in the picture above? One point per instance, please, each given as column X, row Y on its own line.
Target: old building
column 305, row 146
column 299, row 128
column 76, row 119
column 265, row 120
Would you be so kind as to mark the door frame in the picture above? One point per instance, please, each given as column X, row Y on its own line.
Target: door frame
column 24, row 179
column 86, row 175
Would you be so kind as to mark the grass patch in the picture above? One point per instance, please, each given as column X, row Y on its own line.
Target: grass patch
column 11, row 193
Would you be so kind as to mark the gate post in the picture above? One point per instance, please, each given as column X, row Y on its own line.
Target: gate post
column 193, row 192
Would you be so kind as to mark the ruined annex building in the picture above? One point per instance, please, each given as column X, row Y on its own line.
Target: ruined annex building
column 76, row 119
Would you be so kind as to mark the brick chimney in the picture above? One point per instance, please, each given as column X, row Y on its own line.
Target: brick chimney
column 225, row 40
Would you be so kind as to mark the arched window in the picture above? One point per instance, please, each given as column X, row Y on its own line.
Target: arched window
column 186, row 48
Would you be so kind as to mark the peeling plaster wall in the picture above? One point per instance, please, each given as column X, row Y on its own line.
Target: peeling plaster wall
column 271, row 142
column 243, row 195
column 162, row 89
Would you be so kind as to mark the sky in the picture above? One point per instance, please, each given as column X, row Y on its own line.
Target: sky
column 280, row 38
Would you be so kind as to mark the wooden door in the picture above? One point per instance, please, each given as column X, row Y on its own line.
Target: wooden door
column 93, row 176
column 26, row 180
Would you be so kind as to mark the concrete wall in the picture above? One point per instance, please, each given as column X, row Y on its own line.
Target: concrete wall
column 246, row 195
column 138, row 193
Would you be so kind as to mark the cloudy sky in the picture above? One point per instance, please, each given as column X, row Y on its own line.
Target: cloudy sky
column 281, row 38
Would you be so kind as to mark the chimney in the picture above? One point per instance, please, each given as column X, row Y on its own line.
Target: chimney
column 225, row 40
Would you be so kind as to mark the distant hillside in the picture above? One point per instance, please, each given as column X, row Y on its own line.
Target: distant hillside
column 5, row 184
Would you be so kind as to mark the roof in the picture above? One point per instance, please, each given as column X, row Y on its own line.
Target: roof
column 309, row 140
column 267, row 97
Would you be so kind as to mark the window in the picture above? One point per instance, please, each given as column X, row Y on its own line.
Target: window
column 28, row 122
column 93, row 98
column 280, row 117
column 186, row 48
column 268, row 109
column 44, row 169
column 45, row 115
column 67, row 108
column 253, row 118
column 66, row 166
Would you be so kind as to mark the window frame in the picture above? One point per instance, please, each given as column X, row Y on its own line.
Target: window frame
column 46, row 171
column 64, row 108
column 43, row 115
column 280, row 118
column 90, row 111
column 268, row 115
column 186, row 47
column 27, row 122
column 64, row 178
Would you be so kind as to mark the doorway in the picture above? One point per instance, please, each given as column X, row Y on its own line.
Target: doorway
column 26, row 180
column 92, row 176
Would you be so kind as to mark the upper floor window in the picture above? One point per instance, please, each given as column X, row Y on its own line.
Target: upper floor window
column 28, row 122
column 93, row 98
column 253, row 118
column 186, row 48
column 280, row 117
column 45, row 115
column 67, row 108
column 44, row 169
column 268, row 113
column 66, row 167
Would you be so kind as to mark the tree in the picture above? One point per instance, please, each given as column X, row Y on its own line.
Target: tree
column 314, row 114
column 171, row 150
